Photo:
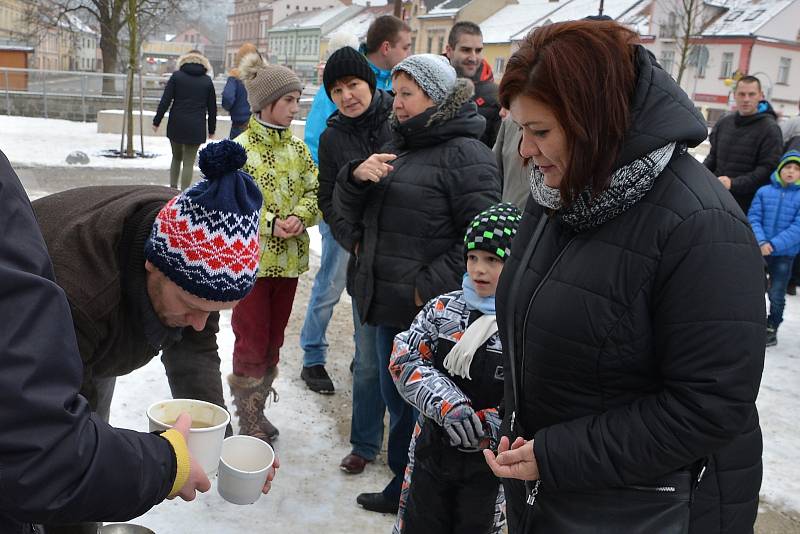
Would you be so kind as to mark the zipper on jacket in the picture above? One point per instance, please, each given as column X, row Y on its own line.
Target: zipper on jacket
column 532, row 491
column 657, row 489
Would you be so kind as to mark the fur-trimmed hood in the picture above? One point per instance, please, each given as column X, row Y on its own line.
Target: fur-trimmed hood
column 193, row 58
column 456, row 116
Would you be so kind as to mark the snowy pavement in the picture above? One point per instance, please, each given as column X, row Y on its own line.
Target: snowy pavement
column 310, row 491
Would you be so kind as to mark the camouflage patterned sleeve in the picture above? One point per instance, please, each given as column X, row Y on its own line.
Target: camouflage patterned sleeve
column 411, row 366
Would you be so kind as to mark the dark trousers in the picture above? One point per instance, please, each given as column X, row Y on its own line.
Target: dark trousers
column 401, row 414
column 451, row 491
column 780, row 270
column 259, row 322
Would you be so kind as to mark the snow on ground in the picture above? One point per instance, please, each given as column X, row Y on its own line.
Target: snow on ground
column 310, row 492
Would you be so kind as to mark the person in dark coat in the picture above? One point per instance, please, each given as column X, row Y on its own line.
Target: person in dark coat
column 234, row 95
column 357, row 129
column 129, row 241
column 190, row 98
column 745, row 145
column 464, row 49
column 632, row 309
column 411, row 204
column 60, row 462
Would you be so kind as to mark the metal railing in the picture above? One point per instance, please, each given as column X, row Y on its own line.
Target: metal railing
column 82, row 85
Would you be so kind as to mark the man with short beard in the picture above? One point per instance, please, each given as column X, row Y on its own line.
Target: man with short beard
column 464, row 49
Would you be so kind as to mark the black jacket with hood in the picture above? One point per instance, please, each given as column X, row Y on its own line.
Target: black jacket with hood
column 344, row 140
column 413, row 221
column 191, row 94
column 639, row 343
column 59, row 462
column 486, row 98
column 747, row 150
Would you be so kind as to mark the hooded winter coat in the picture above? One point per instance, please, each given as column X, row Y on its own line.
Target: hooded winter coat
column 191, row 94
column 638, row 343
column 775, row 213
column 58, row 461
column 414, row 219
column 347, row 139
column 746, row 149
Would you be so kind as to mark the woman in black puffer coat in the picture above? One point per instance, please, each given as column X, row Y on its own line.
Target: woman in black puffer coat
column 635, row 328
column 190, row 93
column 411, row 205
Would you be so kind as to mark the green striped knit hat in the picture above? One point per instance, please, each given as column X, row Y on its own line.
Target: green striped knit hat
column 493, row 230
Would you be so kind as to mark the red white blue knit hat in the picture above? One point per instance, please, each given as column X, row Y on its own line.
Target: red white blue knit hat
column 206, row 238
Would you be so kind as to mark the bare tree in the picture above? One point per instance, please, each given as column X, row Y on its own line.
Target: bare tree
column 111, row 16
column 682, row 23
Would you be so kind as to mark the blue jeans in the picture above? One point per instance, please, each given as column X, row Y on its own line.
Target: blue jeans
column 366, row 423
column 328, row 286
column 401, row 414
column 780, row 271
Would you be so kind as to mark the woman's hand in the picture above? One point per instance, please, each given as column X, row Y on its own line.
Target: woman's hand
column 766, row 249
column 517, row 461
column 198, row 481
column 155, row 128
column 374, row 168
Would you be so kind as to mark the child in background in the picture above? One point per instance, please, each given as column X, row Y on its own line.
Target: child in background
column 449, row 365
column 775, row 218
column 282, row 167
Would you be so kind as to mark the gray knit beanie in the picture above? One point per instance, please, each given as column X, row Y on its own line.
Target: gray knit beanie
column 432, row 73
column 266, row 83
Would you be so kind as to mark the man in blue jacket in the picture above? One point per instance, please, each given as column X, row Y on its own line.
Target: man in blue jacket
column 388, row 43
column 59, row 462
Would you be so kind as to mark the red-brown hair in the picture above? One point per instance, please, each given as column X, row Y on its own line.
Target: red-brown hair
column 584, row 71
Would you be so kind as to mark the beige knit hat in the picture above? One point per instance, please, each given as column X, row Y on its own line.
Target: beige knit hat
column 266, row 83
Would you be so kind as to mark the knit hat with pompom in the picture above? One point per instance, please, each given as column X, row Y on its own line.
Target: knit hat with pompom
column 206, row 238
column 266, row 83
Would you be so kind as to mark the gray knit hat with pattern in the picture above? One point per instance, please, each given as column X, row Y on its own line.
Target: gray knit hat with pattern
column 432, row 73
column 266, row 83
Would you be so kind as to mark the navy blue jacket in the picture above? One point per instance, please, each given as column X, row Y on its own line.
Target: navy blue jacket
column 59, row 463
column 234, row 100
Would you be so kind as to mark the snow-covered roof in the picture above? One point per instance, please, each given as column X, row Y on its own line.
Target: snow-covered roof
column 313, row 19
column 578, row 9
column 746, row 18
column 359, row 24
column 77, row 24
column 447, row 8
column 515, row 18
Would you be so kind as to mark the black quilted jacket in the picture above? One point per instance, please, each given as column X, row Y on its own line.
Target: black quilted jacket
column 640, row 343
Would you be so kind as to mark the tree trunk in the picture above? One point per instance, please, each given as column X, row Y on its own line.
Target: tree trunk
column 108, row 50
column 133, row 64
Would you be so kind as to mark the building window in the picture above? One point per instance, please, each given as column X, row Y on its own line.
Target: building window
column 733, row 15
column 755, row 14
column 667, row 60
column 430, row 45
column 701, row 70
column 441, row 45
column 783, row 70
column 726, row 69
column 499, row 64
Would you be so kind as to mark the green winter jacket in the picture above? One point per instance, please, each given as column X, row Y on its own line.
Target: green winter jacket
column 282, row 167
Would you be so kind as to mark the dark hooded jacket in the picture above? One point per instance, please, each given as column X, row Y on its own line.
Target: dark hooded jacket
column 59, row 462
column 486, row 98
column 638, row 344
column 191, row 94
column 747, row 150
column 344, row 140
column 115, row 324
column 413, row 221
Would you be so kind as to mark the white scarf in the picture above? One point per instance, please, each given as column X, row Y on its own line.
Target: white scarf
column 459, row 359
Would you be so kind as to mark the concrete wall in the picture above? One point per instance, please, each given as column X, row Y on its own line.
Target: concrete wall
column 63, row 107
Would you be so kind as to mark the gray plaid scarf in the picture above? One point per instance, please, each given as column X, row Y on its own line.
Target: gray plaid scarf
column 628, row 185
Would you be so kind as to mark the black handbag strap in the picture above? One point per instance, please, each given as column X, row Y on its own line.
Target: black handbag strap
column 511, row 303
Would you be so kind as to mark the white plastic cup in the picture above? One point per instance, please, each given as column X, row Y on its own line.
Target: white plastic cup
column 205, row 444
column 243, row 468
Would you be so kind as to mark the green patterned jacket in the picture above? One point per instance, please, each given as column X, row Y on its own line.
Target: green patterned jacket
column 282, row 167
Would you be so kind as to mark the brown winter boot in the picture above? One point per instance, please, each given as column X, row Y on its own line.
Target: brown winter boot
column 250, row 398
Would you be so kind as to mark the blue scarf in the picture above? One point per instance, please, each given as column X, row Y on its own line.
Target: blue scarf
column 485, row 305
